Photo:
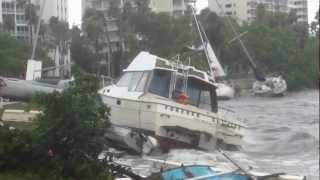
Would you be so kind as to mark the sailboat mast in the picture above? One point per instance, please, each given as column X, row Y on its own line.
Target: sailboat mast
column 239, row 39
column 202, row 41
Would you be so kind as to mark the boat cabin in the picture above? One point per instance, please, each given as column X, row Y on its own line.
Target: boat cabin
column 184, row 84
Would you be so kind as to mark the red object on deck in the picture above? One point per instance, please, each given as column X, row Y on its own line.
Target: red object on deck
column 50, row 153
column 183, row 98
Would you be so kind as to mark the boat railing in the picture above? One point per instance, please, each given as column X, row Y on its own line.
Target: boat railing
column 225, row 112
column 106, row 80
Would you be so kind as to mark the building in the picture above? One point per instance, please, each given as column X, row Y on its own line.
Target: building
column 245, row 10
column 301, row 9
column 56, row 8
column 174, row 7
column 113, row 30
column 12, row 12
column 13, row 15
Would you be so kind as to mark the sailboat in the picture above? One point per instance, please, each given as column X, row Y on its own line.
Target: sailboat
column 263, row 86
column 271, row 87
column 224, row 91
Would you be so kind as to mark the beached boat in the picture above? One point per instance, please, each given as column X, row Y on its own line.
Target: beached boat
column 19, row 89
column 271, row 87
column 173, row 103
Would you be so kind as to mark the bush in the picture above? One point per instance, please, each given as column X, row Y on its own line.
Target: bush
column 15, row 148
column 66, row 141
column 69, row 129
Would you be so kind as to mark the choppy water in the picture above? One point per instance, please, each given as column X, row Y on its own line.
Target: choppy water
column 283, row 136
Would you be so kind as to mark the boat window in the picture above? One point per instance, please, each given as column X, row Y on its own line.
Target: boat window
column 160, row 83
column 193, row 92
column 202, row 95
column 135, row 81
column 136, row 76
column 205, row 100
column 142, row 82
column 125, row 79
column 179, row 87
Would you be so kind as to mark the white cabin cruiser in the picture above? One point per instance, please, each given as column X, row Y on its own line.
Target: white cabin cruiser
column 171, row 102
column 271, row 87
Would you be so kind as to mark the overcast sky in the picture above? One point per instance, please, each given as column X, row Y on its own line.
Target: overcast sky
column 75, row 9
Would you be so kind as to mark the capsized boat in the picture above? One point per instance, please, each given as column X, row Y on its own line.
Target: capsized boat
column 13, row 88
column 174, row 103
column 271, row 87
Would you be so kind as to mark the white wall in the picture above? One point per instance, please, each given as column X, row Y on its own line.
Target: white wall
column 56, row 8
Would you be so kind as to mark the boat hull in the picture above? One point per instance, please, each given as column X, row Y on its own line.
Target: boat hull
column 24, row 90
column 172, row 123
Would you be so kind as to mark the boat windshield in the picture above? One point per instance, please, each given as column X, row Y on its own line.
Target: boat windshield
column 199, row 93
column 134, row 81
column 160, row 83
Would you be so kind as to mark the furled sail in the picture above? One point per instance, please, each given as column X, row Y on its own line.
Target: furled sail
column 214, row 63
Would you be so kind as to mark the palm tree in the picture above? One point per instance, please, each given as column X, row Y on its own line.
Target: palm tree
column 95, row 26
column 60, row 32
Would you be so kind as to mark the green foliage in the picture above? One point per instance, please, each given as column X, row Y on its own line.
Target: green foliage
column 60, row 29
column 15, row 148
column 14, row 55
column 80, row 52
column 278, row 43
column 66, row 141
column 71, row 124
